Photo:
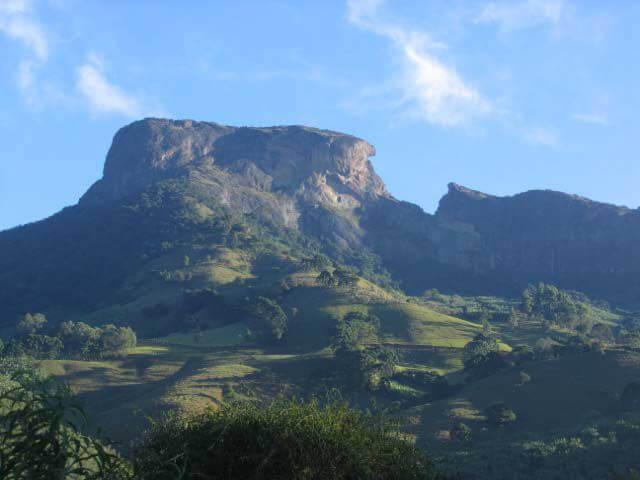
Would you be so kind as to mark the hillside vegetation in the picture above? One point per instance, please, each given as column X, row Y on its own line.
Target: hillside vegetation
column 238, row 266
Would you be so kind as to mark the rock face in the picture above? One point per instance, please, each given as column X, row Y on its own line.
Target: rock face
column 317, row 166
column 288, row 174
column 541, row 235
column 543, row 232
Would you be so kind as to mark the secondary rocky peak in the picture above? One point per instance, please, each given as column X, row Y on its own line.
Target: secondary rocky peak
column 317, row 165
column 464, row 204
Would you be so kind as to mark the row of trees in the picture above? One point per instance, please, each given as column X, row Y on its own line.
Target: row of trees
column 340, row 277
column 70, row 340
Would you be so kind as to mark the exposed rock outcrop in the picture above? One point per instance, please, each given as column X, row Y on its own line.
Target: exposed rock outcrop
column 317, row 166
column 543, row 232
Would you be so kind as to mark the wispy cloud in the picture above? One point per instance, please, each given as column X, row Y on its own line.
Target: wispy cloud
column 16, row 23
column 593, row 118
column 28, row 32
column 102, row 95
column 522, row 14
column 427, row 87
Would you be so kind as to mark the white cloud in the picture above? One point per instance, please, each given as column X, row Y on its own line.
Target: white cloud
column 594, row 118
column 522, row 14
column 15, row 23
column 428, row 88
column 102, row 95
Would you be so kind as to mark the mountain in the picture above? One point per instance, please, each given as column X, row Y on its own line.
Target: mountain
column 255, row 200
column 544, row 235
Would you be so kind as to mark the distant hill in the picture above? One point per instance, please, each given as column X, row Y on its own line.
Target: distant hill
column 187, row 205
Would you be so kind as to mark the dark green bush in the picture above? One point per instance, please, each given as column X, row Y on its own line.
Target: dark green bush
column 288, row 439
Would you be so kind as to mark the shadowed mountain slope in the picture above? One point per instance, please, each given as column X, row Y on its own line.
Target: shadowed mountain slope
column 172, row 189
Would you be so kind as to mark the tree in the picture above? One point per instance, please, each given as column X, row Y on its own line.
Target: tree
column 326, row 279
column 526, row 305
column 486, row 326
column 356, row 329
column 481, row 344
column 483, row 365
column 41, row 346
column 31, row 323
column 345, row 277
column 268, row 318
column 432, row 294
column 358, row 355
column 552, row 304
column 513, row 320
column 115, row 340
column 79, row 339
column 318, row 262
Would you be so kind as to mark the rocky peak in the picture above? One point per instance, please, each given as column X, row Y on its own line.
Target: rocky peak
column 316, row 165
column 546, row 206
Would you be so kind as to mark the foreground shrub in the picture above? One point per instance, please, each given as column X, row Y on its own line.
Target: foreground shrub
column 41, row 437
column 288, row 439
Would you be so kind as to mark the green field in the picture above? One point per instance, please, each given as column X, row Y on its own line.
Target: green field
column 120, row 394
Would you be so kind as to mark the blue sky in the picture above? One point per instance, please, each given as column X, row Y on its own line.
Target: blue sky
column 500, row 96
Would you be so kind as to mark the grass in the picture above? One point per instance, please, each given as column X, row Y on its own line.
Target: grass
column 563, row 393
column 234, row 334
column 402, row 323
column 405, row 390
column 180, row 372
column 148, row 350
column 120, row 394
